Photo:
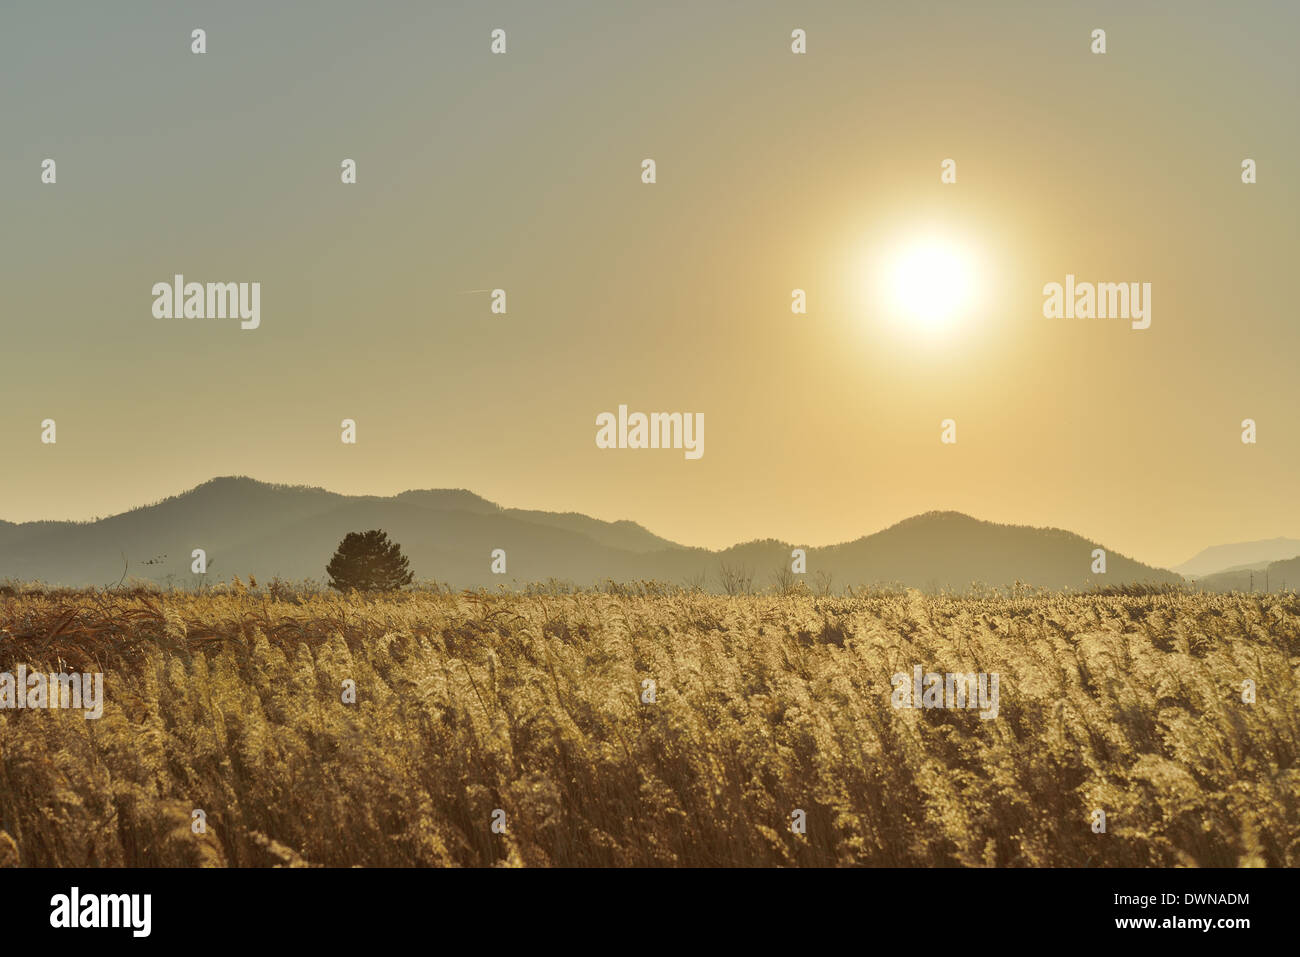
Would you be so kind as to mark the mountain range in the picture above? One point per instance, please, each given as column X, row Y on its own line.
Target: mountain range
column 1239, row 557
column 251, row 527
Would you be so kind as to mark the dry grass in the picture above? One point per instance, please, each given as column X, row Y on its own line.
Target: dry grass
column 531, row 703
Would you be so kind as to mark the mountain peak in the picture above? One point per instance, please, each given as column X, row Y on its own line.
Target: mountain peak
column 448, row 498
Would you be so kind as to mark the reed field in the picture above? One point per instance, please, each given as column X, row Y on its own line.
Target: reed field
column 533, row 704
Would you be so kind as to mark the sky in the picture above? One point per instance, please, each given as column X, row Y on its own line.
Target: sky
column 775, row 171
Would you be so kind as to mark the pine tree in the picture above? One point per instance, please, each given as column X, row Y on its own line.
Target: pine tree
column 368, row 561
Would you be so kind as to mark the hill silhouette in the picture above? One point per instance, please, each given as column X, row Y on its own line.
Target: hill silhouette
column 1266, row 576
column 251, row 527
column 1239, row 556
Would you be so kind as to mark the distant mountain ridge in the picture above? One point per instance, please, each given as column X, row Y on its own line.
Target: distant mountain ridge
column 251, row 527
column 1239, row 556
column 1268, row 576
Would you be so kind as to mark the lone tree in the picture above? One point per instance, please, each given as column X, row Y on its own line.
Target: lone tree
column 368, row 561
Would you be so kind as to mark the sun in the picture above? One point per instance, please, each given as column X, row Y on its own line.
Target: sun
column 931, row 283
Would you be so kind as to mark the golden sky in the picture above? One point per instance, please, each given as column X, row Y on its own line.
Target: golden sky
column 775, row 171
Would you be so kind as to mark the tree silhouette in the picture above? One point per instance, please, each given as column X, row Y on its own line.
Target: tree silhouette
column 368, row 561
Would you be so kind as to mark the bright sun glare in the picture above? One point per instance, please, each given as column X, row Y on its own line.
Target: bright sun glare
column 931, row 282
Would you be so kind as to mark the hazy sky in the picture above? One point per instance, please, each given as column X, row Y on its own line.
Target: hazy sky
column 775, row 171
